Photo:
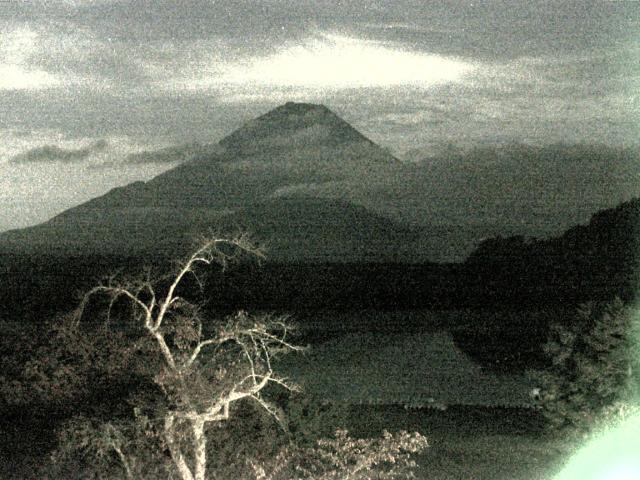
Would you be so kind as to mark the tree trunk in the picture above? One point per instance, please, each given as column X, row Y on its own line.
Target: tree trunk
column 125, row 462
column 174, row 449
column 200, row 449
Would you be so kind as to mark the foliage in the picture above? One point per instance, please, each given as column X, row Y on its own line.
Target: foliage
column 309, row 419
column 118, row 448
column 593, row 367
column 344, row 458
column 70, row 364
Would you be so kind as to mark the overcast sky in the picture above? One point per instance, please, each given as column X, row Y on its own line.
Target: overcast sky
column 88, row 86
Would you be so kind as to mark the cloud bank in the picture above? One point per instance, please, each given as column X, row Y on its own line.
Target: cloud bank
column 336, row 62
column 53, row 153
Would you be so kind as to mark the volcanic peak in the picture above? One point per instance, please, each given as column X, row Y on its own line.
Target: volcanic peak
column 311, row 122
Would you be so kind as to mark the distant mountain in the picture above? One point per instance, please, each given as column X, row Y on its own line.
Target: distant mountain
column 294, row 144
column 247, row 182
column 534, row 190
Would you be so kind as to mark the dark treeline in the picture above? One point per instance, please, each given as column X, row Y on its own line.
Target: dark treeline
column 593, row 262
column 588, row 262
column 35, row 288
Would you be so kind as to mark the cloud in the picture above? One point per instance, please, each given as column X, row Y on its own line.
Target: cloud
column 428, row 116
column 329, row 61
column 53, row 153
column 174, row 154
column 220, row 63
column 131, row 45
column 16, row 72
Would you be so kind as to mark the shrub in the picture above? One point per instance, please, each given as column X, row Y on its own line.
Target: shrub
column 342, row 457
column 592, row 366
column 309, row 420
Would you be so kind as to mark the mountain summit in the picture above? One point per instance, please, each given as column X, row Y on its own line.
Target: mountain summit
column 302, row 123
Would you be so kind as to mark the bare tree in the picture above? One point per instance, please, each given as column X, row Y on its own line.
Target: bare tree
column 204, row 366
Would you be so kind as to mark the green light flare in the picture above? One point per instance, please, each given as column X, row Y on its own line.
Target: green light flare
column 613, row 455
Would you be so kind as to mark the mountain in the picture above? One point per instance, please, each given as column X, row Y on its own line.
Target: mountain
column 249, row 181
column 297, row 152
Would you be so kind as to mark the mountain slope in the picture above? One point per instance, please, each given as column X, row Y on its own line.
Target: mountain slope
column 301, row 150
column 291, row 145
column 291, row 229
column 322, row 229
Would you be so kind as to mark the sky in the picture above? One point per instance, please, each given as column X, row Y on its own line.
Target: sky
column 89, row 87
